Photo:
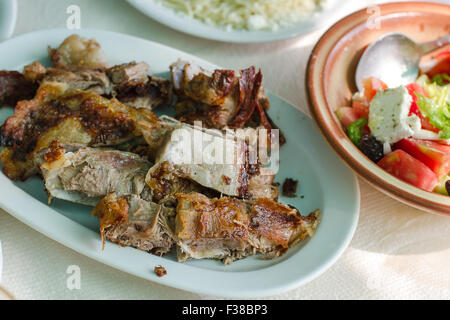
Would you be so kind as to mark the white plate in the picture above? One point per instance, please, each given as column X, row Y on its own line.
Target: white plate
column 8, row 16
column 334, row 10
column 325, row 182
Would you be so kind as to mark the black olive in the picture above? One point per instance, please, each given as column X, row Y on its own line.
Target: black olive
column 371, row 147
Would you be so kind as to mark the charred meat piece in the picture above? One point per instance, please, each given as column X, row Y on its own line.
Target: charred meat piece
column 70, row 117
column 131, row 221
column 139, row 91
column 133, row 86
column 290, row 188
column 80, row 64
column 78, row 51
column 204, row 94
column 200, row 85
column 226, row 98
column 148, row 94
column 87, row 175
column 164, row 184
column 230, row 229
column 15, row 87
column 189, row 111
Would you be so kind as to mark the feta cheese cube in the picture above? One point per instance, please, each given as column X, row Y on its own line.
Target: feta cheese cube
column 389, row 119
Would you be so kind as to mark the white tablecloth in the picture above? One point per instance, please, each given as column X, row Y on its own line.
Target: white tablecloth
column 397, row 252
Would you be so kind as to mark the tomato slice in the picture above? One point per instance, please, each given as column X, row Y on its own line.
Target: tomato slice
column 407, row 168
column 434, row 155
column 371, row 86
column 347, row 116
column 441, row 65
column 361, row 107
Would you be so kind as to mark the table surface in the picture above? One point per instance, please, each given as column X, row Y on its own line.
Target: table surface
column 397, row 252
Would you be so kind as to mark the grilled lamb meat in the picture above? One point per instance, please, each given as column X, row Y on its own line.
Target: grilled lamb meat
column 149, row 94
column 262, row 185
column 127, row 72
column 179, row 154
column 15, row 87
column 129, row 83
column 80, row 78
column 79, row 64
column 132, row 221
column 164, row 184
column 221, row 96
column 78, row 51
column 211, row 159
column 230, row 229
column 70, row 117
column 87, row 175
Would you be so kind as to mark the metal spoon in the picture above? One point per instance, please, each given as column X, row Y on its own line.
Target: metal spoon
column 394, row 58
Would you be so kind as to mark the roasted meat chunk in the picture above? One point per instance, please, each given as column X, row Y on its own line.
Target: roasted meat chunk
column 78, row 51
column 164, row 184
column 70, row 117
column 213, row 160
column 79, row 78
column 87, row 175
column 15, row 87
column 196, row 162
column 129, row 82
column 127, row 72
column 79, row 64
column 149, row 93
column 132, row 221
column 219, row 98
column 228, row 229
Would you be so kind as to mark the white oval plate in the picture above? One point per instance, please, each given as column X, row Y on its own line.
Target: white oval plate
column 8, row 16
column 332, row 12
column 325, row 182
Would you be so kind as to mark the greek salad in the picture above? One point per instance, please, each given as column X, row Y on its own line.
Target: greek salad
column 406, row 130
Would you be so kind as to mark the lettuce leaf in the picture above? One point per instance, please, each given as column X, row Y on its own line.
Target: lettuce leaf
column 355, row 130
column 437, row 110
column 441, row 79
column 437, row 107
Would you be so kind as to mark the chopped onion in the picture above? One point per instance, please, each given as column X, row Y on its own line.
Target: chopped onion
column 426, row 135
column 387, row 148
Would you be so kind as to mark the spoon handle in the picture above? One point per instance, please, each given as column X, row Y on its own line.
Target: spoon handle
column 435, row 44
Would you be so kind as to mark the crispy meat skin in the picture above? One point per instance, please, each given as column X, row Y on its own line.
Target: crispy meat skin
column 69, row 117
column 78, row 51
column 230, row 229
column 209, row 97
column 15, row 87
column 189, row 111
column 220, row 98
column 129, row 82
column 87, row 175
column 131, row 221
column 80, row 64
column 164, row 183
column 149, row 94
